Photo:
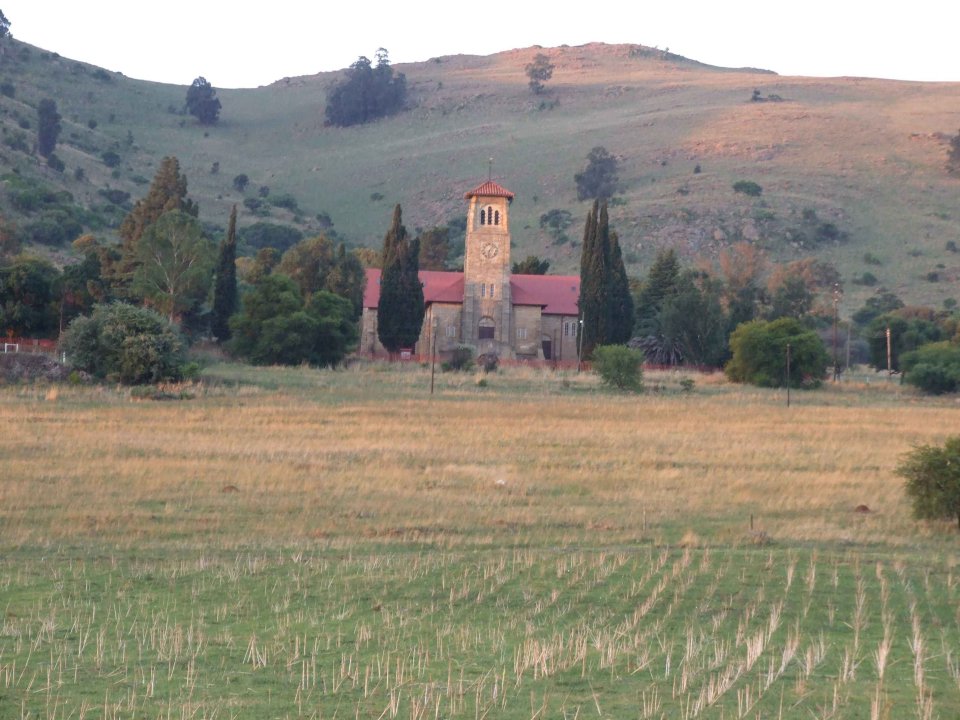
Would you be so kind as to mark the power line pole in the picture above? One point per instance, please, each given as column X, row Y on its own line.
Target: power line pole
column 580, row 344
column 836, row 317
column 433, row 352
column 788, row 374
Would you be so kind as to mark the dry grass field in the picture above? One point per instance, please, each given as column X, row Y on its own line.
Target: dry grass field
column 297, row 543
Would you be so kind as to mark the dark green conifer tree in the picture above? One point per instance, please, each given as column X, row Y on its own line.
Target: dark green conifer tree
column 400, row 310
column 620, row 301
column 591, row 283
column 225, row 287
column 48, row 127
column 606, row 306
column 660, row 285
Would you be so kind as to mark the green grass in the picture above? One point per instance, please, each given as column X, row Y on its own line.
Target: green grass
column 513, row 633
column 299, row 543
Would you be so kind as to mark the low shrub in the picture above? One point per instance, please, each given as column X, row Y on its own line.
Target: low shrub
column 747, row 187
column 461, row 360
column 619, row 367
column 129, row 344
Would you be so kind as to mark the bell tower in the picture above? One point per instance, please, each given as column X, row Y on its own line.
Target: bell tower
column 487, row 306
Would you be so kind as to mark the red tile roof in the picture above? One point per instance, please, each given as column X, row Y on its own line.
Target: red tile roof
column 556, row 294
column 438, row 287
column 489, row 189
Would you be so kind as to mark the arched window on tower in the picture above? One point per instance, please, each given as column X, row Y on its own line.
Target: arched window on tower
column 489, row 215
column 483, row 217
column 496, row 217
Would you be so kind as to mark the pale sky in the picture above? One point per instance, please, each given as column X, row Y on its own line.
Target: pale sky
column 246, row 44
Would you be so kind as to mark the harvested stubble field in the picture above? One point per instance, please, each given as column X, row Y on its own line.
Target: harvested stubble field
column 296, row 543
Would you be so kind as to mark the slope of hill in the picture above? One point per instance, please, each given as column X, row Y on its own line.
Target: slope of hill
column 851, row 169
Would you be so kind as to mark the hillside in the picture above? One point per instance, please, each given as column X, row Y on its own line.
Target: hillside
column 865, row 156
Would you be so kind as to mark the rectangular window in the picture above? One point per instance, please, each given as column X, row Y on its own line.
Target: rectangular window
column 451, row 331
column 483, row 290
column 521, row 333
column 485, row 332
column 491, row 290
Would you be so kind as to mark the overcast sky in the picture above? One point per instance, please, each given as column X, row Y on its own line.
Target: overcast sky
column 245, row 44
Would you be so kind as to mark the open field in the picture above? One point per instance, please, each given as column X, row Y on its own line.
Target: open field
column 297, row 543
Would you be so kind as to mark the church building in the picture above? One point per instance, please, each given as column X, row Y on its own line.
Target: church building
column 487, row 307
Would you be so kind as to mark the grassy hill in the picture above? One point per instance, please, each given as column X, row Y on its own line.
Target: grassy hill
column 865, row 156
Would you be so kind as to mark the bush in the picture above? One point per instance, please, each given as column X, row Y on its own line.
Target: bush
column 461, row 360
column 286, row 200
column 747, row 187
column 759, row 351
column 129, row 344
column 933, row 480
column 110, row 159
column 275, row 326
column 262, row 234
column 619, row 367
column 933, row 368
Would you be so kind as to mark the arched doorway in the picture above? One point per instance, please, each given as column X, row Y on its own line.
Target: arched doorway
column 487, row 329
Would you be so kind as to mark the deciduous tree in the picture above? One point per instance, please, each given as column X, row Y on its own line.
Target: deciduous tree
column 202, row 102
column 434, row 248
column 759, row 350
column 367, row 93
column 174, row 261
column 275, row 326
column 933, row 480
column 539, row 71
column 531, row 265
column 599, row 179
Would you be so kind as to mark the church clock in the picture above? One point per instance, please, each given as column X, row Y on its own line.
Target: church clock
column 489, row 250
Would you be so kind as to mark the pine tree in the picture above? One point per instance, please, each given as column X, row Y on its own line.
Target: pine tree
column 168, row 191
column 660, row 285
column 401, row 309
column 225, row 288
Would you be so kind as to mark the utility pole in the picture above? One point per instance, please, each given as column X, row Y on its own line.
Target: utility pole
column 580, row 344
column 889, row 354
column 788, row 374
column 836, row 317
column 433, row 352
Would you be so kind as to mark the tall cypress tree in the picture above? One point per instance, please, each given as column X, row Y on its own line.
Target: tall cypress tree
column 606, row 306
column 225, row 287
column 591, row 282
column 400, row 310
column 619, row 299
